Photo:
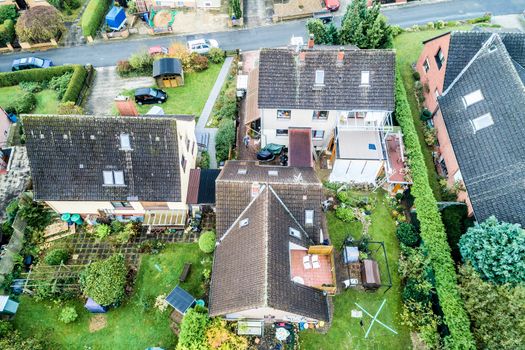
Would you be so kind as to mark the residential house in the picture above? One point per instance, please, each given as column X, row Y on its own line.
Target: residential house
column 127, row 167
column 345, row 96
column 269, row 263
column 477, row 118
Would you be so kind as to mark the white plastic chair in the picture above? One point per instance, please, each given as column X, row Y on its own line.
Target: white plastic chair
column 306, row 262
column 315, row 261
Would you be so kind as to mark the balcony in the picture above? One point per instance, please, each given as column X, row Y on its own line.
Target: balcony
column 365, row 121
column 397, row 170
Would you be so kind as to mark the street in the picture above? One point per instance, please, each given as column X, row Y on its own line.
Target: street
column 108, row 53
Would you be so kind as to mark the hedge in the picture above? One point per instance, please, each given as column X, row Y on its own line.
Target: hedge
column 93, row 15
column 7, row 32
column 432, row 231
column 37, row 75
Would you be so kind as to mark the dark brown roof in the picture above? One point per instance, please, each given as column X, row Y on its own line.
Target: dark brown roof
column 300, row 147
column 299, row 188
column 287, row 82
column 193, row 187
column 251, row 264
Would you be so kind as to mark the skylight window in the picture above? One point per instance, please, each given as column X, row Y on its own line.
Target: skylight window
column 365, row 78
column 295, row 233
column 241, row 171
column 319, row 77
column 273, row 173
column 119, row 177
column 309, row 217
column 473, row 97
column 482, row 122
column 124, row 142
column 244, row 222
column 113, row 178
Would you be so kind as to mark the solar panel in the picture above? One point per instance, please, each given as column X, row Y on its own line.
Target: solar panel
column 180, row 299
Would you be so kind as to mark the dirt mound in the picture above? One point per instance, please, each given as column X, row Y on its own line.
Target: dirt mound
column 97, row 322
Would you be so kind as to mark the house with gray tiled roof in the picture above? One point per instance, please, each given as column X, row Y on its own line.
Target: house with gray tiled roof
column 126, row 167
column 269, row 263
column 344, row 95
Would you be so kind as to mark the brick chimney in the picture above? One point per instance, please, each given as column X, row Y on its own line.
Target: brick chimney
column 340, row 57
column 311, row 41
column 302, row 57
column 125, row 106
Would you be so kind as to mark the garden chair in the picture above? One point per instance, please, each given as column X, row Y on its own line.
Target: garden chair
column 315, row 261
column 306, row 262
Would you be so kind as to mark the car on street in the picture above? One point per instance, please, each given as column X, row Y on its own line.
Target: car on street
column 202, row 46
column 30, row 63
column 150, row 95
column 332, row 5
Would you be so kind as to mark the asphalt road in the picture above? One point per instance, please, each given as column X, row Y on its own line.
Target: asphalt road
column 108, row 53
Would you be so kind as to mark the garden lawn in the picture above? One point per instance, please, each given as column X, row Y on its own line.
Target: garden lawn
column 408, row 48
column 47, row 100
column 190, row 98
column 345, row 332
column 134, row 325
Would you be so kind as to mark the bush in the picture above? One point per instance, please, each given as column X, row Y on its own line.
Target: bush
column 7, row 31
column 123, row 67
column 225, row 139
column 198, row 62
column 180, row 51
column 432, row 230
column 69, row 108
column 8, row 12
column 60, row 83
column 413, row 291
column 102, row 231
column 68, row 315
column 220, row 335
column 396, row 30
column 235, row 8
column 483, row 19
column 416, row 75
column 204, row 162
column 439, row 24
column 76, row 83
column 141, row 62
column 15, row 341
column 425, row 115
column 6, row 328
column 56, row 256
column 407, row 234
column 207, row 242
column 216, row 55
column 345, row 214
column 93, row 16
column 31, row 86
column 23, row 103
column 496, row 251
column 104, row 280
column 40, row 24
column 193, row 330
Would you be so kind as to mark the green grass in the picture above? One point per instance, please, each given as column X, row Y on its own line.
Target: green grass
column 190, row 98
column 47, row 100
column 346, row 332
column 408, row 48
column 135, row 324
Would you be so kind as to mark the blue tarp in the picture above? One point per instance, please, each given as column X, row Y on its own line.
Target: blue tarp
column 93, row 307
column 116, row 18
column 180, row 299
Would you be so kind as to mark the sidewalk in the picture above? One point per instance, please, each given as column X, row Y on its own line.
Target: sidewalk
column 201, row 128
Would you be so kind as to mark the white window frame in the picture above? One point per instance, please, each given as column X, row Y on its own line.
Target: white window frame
column 482, row 122
column 314, row 132
column 113, row 178
column 294, row 232
column 426, row 65
column 365, row 77
column 472, row 98
column 308, row 217
column 125, row 142
column 319, row 77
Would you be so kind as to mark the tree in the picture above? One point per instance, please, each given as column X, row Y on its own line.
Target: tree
column 236, row 8
column 496, row 250
column 207, row 242
column 225, row 139
column 498, row 320
column 16, row 342
column 8, row 12
column 354, row 15
column 319, row 31
column 221, row 336
column 40, row 24
column 104, row 280
column 192, row 334
column 332, row 34
column 407, row 234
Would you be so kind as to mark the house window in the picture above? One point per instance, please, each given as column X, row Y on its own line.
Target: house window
column 124, row 142
column 358, row 114
column 192, row 147
column 281, row 132
column 121, row 205
column 320, row 115
column 183, row 163
column 443, row 166
column 436, row 94
column 426, row 65
column 319, row 77
column 371, row 147
column 308, row 217
column 472, row 98
column 365, row 77
column 188, row 144
column 317, row 134
column 439, row 58
column 113, row 178
column 284, row 114
column 482, row 122
column 295, row 233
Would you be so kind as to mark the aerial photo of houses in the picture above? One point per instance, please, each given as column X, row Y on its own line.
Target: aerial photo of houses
column 262, row 175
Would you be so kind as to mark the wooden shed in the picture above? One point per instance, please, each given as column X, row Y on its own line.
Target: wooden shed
column 370, row 274
column 168, row 72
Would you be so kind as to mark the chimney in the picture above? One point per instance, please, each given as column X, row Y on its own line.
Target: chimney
column 340, row 57
column 311, row 41
column 125, row 106
column 302, row 57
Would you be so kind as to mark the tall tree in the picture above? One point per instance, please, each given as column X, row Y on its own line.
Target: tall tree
column 332, row 34
column 319, row 30
column 365, row 27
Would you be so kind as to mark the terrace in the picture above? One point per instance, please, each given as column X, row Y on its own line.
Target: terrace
column 313, row 267
column 396, row 166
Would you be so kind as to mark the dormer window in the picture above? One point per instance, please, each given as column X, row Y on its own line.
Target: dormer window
column 113, row 178
column 472, row 98
column 295, row 233
column 482, row 122
column 319, row 78
column 309, row 217
column 124, row 142
column 365, row 77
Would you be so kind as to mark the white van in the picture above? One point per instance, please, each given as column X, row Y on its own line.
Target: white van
column 202, row 46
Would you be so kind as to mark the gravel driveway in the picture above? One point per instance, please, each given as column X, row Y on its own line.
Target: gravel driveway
column 107, row 86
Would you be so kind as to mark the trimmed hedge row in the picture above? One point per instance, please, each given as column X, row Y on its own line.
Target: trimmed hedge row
column 37, row 75
column 93, row 16
column 7, row 32
column 432, row 231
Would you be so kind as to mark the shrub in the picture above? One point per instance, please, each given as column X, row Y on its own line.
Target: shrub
column 36, row 215
column 396, row 30
column 204, row 162
column 93, row 16
column 235, row 8
column 6, row 328
column 413, row 291
column 198, row 62
column 180, row 51
column 439, row 24
column 216, row 55
column 68, row 315
column 221, row 336
column 60, row 83
column 76, row 83
column 407, row 234
column 141, row 62
column 7, row 31
column 207, row 242
column 482, row 19
column 225, row 139
column 15, row 341
column 193, row 330
column 8, row 12
column 104, row 280
column 116, row 226
column 430, row 134
column 23, row 103
column 39, row 24
column 102, row 231
column 415, row 75
column 69, row 108
column 345, row 214
column 456, row 222
column 432, row 230
column 56, row 256
column 123, row 67
column 425, row 115
column 31, row 86
column 496, row 251
column 130, row 230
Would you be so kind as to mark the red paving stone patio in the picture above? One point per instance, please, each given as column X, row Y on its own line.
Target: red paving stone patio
column 312, row 277
column 396, row 159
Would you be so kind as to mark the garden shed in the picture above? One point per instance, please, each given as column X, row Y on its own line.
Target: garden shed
column 168, row 72
column 116, row 18
column 7, row 306
column 180, row 300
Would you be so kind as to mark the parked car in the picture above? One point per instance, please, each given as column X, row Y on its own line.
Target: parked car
column 30, row 63
column 325, row 16
column 150, row 95
column 202, row 46
column 158, row 50
column 332, row 5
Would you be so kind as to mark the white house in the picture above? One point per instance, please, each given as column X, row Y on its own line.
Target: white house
column 125, row 167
